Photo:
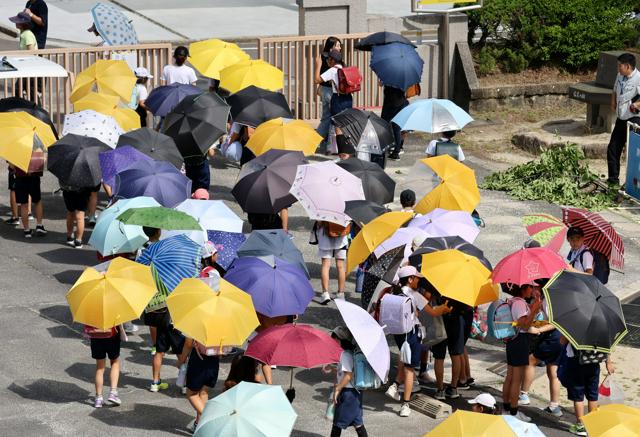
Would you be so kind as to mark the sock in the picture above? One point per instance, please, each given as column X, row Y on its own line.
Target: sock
column 513, row 411
column 524, row 392
column 553, row 405
column 361, row 431
column 506, row 406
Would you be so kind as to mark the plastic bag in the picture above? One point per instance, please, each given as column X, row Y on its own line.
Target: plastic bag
column 405, row 353
column 610, row 392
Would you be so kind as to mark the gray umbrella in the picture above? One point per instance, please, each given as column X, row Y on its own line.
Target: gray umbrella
column 274, row 242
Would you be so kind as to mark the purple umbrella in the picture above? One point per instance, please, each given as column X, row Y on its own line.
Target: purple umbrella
column 276, row 287
column 116, row 160
column 401, row 237
column 227, row 245
column 444, row 223
column 157, row 179
column 163, row 99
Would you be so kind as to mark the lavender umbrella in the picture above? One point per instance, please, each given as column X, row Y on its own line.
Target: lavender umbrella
column 276, row 287
column 116, row 160
column 157, row 179
column 163, row 99
column 443, row 223
column 227, row 245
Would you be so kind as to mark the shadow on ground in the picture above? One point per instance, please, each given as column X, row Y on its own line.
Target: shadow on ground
column 48, row 390
column 146, row 417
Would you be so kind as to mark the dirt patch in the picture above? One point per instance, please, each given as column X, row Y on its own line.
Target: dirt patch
column 535, row 76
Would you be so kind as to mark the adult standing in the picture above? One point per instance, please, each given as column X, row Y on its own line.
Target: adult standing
column 39, row 13
column 394, row 100
column 623, row 100
column 324, row 89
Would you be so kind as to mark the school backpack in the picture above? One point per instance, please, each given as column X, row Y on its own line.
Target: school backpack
column 601, row 267
column 375, row 306
column 335, row 230
column 500, row 320
column 95, row 333
column 364, row 377
column 413, row 90
column 448, row 148
column 397, row 314
column 349, row 80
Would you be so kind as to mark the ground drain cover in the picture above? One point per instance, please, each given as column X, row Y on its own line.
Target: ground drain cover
column 499, row 369
column 430, row 406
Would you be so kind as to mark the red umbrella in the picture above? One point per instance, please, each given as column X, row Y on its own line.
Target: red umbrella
column 599, row 234
column 526, row 265
column 546, row 229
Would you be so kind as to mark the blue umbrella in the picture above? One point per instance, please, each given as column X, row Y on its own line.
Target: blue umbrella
column 116, row 160
column 277, row 289
column 113, row 26
column 522, row 428
column 397, row 65
column 157, row 179
column 274, row 242
column 227, row 245
column 163, row 99
column 432, row 115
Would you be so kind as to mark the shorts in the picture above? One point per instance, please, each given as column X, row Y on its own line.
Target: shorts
column 76, row 200
column 467, row 316
column 200, row 175
column 348, row 410
column 414, row 344
column 439, row 351
column 548, row 348
column 169, row 340
column 580, row 380
column 454, row 325
column 518, row 351
column 11, row 180
column 28, row 186
column 105, row 347
column 96, row 188
column 202, row 371
column 332, row 253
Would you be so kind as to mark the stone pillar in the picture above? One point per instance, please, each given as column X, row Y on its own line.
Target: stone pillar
column 448, row 36
column 327, row 17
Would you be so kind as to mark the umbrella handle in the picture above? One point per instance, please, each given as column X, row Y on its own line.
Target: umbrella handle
column 291, row 380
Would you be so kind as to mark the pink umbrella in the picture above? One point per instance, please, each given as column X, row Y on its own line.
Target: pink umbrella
column 526, row 265
column 546, row 229
column 444, row 223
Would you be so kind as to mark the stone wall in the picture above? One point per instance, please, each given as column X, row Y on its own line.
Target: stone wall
column 517, row 96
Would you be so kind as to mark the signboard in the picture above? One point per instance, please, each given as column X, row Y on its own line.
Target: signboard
column 633, row 166
column 439, row 2
column 441, row 6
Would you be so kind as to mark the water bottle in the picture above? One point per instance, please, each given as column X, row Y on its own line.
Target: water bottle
column 182, row 375
column 330, row 407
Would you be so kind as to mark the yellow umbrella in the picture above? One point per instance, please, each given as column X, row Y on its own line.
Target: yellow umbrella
column 457, row 190
column 17, row 141
column 222, row 317
column 213, row 55
column 245, row 73
column 612, row 421
column 469, row 424
column 459, row 276
column 374, row 233
column 127, row 118
column 107, row 298
column 284, row 134
column 109, row 77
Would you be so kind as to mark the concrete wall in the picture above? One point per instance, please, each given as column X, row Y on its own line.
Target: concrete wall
column 325, row 17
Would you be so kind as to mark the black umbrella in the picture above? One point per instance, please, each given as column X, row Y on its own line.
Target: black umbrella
column 587, row 313
column 152, row 143
column 73, row 159
column 363, row 211
column 196, row 123
column 379, row 39
column 388, row 264
column 378, row 186
column 264, row 182
column 17, row 104
column 442, row 243
column 253, row 106
column 364, row 129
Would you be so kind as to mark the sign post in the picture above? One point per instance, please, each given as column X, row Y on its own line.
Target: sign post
column 632, row 186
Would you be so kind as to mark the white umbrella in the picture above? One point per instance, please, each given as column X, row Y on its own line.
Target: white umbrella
column 90, row 123
column 444, row 223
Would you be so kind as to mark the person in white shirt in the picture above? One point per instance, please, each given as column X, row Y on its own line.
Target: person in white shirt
column 445, row 146
column 579, row 257
column 339, row 102
column 140, row 94
column 332, row 242
column 178, row 72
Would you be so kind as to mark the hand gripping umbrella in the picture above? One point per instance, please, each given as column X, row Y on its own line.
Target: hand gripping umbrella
column 253, row 106
column 155, row 145
column 74, row 160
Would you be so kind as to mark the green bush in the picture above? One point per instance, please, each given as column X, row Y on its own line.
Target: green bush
column 513, row 62
column 486, row 61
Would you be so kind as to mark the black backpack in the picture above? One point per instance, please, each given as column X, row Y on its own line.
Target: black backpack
column 601, row 268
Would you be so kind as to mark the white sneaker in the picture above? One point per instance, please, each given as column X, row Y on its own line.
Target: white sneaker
column 393, row 392
column 325, row 298
column 414, row 389
column 339, row 295
column 523, row 399
column 523, row 417
column 405, row 410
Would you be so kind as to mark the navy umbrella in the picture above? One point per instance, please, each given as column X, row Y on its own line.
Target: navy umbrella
column 153, row 144
column 274, row 242
column 253, row 106
column 381, row 38
column 157, row 179
column 442, row 243
column 163, row 99
column 397, row 65
column 73, row 159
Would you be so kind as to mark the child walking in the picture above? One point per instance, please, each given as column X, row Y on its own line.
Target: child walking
column 140, row 94
column 105, row 344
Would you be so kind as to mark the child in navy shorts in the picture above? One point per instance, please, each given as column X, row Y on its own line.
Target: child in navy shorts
column 105, row 343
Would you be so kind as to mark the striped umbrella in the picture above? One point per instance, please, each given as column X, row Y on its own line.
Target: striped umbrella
column 599, row 234
column 546, row 229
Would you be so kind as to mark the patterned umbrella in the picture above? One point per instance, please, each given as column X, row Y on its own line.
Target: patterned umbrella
column 547, row 230
column 113, row 26
column 599, row 234
column 227, row 245
column 74, row 161
column 90, row 123
column 117, row 160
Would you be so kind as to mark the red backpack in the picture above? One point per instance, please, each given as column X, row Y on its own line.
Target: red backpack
column 349, row 80
column 93, row 332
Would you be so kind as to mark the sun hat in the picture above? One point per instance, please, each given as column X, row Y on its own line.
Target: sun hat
column 209, row 249
column 21, row 18
column 484, row 399
column 200, row 194
column 142, row 72
column 407, row 271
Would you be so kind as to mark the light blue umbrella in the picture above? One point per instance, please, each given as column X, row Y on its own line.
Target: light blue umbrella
column 111, row 236
column 113, row 25
column 432, row 115
column 521, row 428
column 248, row 410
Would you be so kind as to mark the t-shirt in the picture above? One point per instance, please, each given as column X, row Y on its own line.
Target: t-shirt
column 431, row 148
column 138, row 95
column 178, row 74
column 331, row 75
column 587, row 259
column 40, row 9
column 519, row 308
column 345, row 365
column 27, row 38
column 418, row 299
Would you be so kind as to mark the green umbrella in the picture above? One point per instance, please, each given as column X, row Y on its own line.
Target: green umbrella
column 248, row 410
column 160, row 217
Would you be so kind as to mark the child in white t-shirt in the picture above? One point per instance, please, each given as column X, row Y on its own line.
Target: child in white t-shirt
column 445, row 146
column 179, row 73
column 140, row 94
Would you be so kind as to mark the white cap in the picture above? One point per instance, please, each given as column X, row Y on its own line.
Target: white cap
column 142, row 72
column 418, row 239
column 209, row 249
column 484, row 399
column 407, row 271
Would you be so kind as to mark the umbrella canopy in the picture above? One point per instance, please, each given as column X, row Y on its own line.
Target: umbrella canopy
column 274, row 242
column 432, row 116
column 251, row 72
column 127, row 118
column 248, row 410
column 442, row 243
column 587, row 313
column 401, row 237
column 323, row 188
column 18, row 104
column 108, row 77
column 18, row 140
column 522, row 428
column 196, row 123
column 381, row 38
column 363, row 211
column 227, row 245
column 213, row 215
column 443, row 223
column 113, row 25
column 163, row 99
column 459, row 276
column 372, row 234
column 110, row 294
column 397, row 65
column 598, row 234
column 612, row 421
column 159, row 180
column 74, row 160
column 114, row 161
column 90, row 123
column 155, row 145
column 547, row 230
column 280, row 289
column 364, row 130
column 216, row 317
column 284, row 134
column 369, row 336
column 467, row 423
column 526, row 265
column 377, row 185
column 211, row 56
column 110, row 236
column 159, row 217
column 264, row 182
column 253, row 106
column 294, row 345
